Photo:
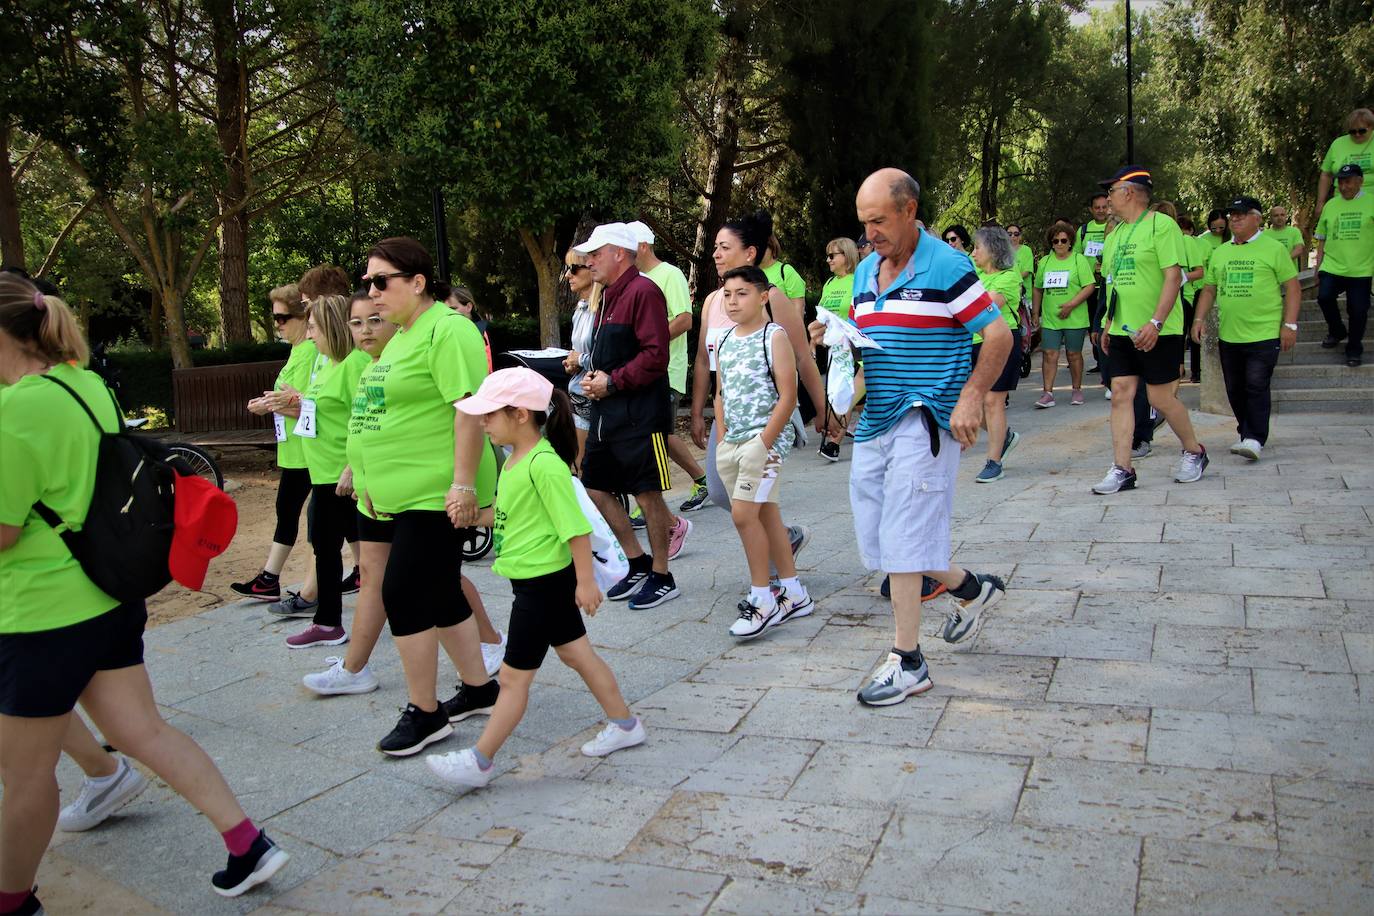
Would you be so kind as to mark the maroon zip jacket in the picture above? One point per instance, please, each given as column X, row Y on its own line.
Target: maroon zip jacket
column 631, row 345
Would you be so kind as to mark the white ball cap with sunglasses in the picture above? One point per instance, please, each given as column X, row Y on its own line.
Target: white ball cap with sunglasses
column 617, row 234
column 518, row 386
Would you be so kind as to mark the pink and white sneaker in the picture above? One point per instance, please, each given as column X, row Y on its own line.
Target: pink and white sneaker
column 1046, row 400
column 1077, row 400
column 677, row 537
column 316, row 635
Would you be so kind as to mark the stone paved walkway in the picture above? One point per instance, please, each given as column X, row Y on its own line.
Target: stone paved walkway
column 1170, row 711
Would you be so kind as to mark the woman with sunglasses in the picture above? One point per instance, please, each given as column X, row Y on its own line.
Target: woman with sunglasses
column 578, row 362
column 425, row 463
column 996, row 268
column 1352, row 147
column 283, row 401
column 957, row 237
column 841, row 256
column 1064, row 283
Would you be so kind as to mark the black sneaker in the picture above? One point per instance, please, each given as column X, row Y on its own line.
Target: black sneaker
column 351, row 582
column 627, row 586
column 259, row 588
column 415, row 731
column 929, row 588
column 471, row 701
column 657, row 589
column 243, row 873
column 698, row 498
column 1331, row 341
column 31, row 906
column 830, row 451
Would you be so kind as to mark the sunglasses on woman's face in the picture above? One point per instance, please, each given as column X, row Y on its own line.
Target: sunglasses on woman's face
column 1060, row 242
column 371, row 321
column 380, row 280
column 281, row 317
column 951, row 239
column 574, row 269
column 1015, row 235
column 1358, row 131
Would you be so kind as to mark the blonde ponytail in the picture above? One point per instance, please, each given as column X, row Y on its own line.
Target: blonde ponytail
column 43, row 323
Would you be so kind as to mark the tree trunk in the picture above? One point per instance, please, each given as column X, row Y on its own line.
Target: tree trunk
column 720, row 169
column 176, row 328
column 11, row 238
column 156, row 331
column 231, row 122
column 543, row 255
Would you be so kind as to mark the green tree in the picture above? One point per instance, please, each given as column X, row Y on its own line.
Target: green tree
column 532, row 111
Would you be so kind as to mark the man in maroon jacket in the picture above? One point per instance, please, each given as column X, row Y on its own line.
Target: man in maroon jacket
column 627, row 384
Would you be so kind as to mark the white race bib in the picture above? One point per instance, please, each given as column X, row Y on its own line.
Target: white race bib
column 279, row 426
column 713, row 338
column 1093, row 249
column 305, row 423
column 1056, row 279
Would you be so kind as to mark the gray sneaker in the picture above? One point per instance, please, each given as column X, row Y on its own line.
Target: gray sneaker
column 891, row 683
column 100, row 797
column 293, row 605
column 964, row 614
column 1191, row 465
column 1141, row 451
column 1117, row 479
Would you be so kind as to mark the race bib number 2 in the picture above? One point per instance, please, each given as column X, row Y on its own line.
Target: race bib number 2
column 305, row 423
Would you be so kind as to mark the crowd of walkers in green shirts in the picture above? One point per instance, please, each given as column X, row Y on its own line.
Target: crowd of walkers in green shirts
column 393, row 425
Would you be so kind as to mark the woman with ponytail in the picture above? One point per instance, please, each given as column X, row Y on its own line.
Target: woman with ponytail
column 62, row 639
column 543, row 546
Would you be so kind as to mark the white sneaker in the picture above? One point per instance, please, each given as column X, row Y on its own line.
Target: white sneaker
column 1248, row 448
column 1107, row 394
column 336, row 679
column 100, row 798
column 753, row 619
column 1236, row 446
column 494, row 654
column 792, row 608
column 614, row 738
column 460, row 768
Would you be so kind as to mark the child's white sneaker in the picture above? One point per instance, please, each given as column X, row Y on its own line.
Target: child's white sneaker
column 614, row 738
column 460, row 768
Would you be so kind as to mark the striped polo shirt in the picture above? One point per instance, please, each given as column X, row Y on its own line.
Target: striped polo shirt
column 925, row 323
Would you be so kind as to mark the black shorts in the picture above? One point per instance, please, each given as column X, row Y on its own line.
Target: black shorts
column 422, row 587
column 1011, row 372
column 627, row 466
column 375, row 530
column 543, row 614
column 1157, row 367
column 44, row 674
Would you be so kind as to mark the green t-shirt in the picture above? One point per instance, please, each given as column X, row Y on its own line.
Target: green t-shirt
column 296, row 373
column 1348, row 228
column 1025, row 263
column 1197, row 251
column 1088, row 240
column 406, row 439
column 787, row 280
column 1008, row 283
column 332, row 395
column 536, row 515
column 1249, row 282
column 838, row 295
column 1344, row 150
column 353, row 447
column 1289, row 237
column 48, row 450
column 1059, row 280
column 1133, row 265
column 674, row 286
column 1213, row 241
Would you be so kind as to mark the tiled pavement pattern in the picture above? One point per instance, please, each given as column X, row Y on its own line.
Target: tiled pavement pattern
column 1169, row 712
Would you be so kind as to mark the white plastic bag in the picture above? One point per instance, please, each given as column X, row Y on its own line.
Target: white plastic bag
column 608, row 558
column 839, row 378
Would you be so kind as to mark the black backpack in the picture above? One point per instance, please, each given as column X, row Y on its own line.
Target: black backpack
column 127, row 535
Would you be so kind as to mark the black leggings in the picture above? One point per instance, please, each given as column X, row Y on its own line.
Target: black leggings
column 335, row 519
column 292, row 489
column 423, row 584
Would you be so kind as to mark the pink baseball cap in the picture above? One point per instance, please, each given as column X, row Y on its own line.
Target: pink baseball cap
column 516, row 387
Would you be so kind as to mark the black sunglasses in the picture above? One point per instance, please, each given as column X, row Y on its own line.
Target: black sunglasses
column 380, row 280
column 1358, row 131
column 279, row 318
column 1060, row 242
column 951, row 239
column 575, row 268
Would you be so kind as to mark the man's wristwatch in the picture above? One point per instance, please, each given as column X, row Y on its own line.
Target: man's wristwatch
column 610, row 384
column 1290, row 326
column 1159, row 325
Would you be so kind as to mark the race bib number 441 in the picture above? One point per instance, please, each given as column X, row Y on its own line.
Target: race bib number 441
column 1056, row 279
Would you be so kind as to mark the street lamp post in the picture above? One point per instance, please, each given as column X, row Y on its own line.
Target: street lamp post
column 1130, row 92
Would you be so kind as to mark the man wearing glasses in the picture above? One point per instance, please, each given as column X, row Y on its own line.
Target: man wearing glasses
column 1353, row 148
column 1345, row 262
column 1142, row 338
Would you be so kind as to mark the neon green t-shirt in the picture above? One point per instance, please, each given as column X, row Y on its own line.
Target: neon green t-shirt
column 1198, row 251
column 353, row 446
column 1089, row 239
column 1133, row 264
column 536, row 515
column 296, row 373
column 1213, row 241
column 1059, row 280
column 1344, row 150
column 1008, row 283
column 787, row 280
column 1248, row 280
column 406, row 439
column 1025, row 263
column 674, row 286
column 837, row 296
column 1289, row 237
column 48, row 449
column 1348, row 228
column 332, row 394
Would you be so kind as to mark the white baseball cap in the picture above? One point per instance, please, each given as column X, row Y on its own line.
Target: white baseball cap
column 642, row 233
column 617, row 234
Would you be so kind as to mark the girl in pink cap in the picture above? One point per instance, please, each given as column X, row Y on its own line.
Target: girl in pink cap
column 543, row 545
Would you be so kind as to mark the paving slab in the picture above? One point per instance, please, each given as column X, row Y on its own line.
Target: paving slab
column 1226, row 580
column 1312, row 694
column 1188, row 608
column 1067, row 640
column 1278, row 745
column 1289, row 650
column 372, row 888
column 1326, row 817
column 1150, row 684
column 1044, row 729
column 1359, row 647
column 835, row 715
column 1309, row 614
column 696, row 706
column 349, row 818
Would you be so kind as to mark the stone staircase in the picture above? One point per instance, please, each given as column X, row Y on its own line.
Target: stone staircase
column 1309, row 379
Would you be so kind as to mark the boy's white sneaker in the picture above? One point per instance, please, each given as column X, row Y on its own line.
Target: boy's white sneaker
column 613, row 738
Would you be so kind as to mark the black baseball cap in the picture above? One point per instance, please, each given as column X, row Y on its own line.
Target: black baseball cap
column 1350, row 170
column 861, row 241
column 1135, row 174
column 1244, row 204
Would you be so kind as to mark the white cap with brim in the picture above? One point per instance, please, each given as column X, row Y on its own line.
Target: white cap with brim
column 641, row 232
column 617, row 234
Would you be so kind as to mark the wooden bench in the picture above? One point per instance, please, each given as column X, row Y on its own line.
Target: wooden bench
column 209, row 403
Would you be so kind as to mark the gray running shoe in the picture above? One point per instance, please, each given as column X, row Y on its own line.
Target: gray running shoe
column 293, row 605
column 1117, row 479
column 1191, row 465
column 891, row 683
column 963, row 614
column 1141, row 451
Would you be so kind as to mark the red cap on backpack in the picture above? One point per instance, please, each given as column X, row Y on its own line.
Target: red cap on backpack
column 206, row 519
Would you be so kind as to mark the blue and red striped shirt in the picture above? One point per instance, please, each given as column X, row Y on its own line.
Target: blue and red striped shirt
column 925, row 323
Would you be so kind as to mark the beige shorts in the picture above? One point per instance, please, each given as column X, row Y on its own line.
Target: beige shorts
column 749, row 473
